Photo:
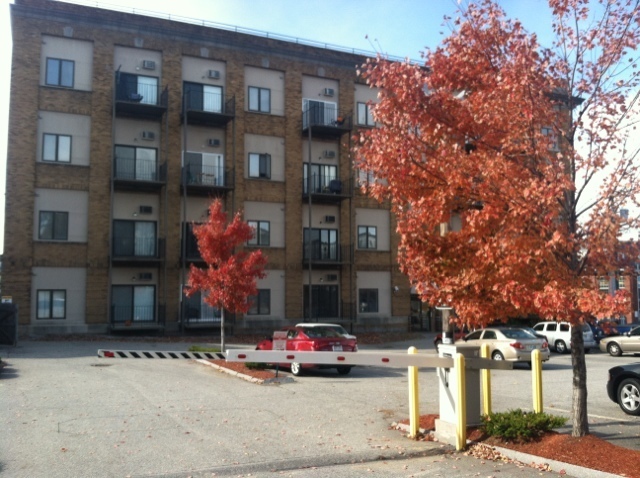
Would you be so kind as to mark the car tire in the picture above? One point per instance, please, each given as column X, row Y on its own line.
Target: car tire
column 497, row 355
column 629, row 396
column 296, row 369
column 344, row 370
column 560, row 346
column 614, row 349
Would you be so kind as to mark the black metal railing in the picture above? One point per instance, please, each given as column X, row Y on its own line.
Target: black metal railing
column 129, row 246
column 131, row 90
column 143, row 314
column 325, row 115
column 130, row 169
column 201, row 175
column 194, row 312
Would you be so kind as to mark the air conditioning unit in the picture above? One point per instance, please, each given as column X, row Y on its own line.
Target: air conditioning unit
column 329, row 92
column 145, row 276
column 148, row 135
column 149, row 65
column 329, row 154
column 214, row 142
column 146, row 209
column 329, row 219
column 213, row 74
column 332, row 277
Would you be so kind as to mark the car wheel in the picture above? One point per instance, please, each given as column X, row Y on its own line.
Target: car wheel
column 614, row 349
column 629, row 396
column 296, row 369
column 344, row 370
column 561, row 347
column 497, row 355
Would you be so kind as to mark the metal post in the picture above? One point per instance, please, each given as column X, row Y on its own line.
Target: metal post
column 461, row 412
column 536, row 375
column 485, row 376
column 414, row 398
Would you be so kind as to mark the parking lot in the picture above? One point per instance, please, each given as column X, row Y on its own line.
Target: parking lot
column 66, row 411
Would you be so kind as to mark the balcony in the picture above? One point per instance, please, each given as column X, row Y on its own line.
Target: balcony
column 198, row 314
column 326, row 255
column 202, row 180
column 326, row 189
column 129, row 317
column 133, row 250
column 190, row 251
column 138, row 175
column 138, row 98
column 207, row 108
column 324, row 120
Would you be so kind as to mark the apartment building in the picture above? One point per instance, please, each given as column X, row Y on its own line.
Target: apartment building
column 124, row 128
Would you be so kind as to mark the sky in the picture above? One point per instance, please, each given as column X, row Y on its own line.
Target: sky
column 399, row 28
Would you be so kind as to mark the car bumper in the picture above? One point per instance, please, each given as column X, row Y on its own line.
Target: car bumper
column 520, row 356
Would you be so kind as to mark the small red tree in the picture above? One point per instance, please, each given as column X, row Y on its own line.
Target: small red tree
column 522, row 151
column 230, row 277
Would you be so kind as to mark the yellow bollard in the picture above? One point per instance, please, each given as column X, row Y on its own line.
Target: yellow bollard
column 461, row 412
column 414, row 398
column 536, row 376
column 485, row 375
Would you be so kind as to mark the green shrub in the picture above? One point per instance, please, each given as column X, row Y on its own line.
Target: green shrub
column 516, row 425
column 256, row 365
column 199, row 348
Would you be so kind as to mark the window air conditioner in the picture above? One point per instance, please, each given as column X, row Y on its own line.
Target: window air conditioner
column 214, row 142
column 213, row 74
column 329, row 219
column 149, row 65
column 329, row 154
column 329, row 92
column 145, row 276
column 146, row 209
column 148, row 135
column 332, row 277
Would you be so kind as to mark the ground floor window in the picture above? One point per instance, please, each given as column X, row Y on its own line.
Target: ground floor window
column 198, row 311
column 52, row 304
column 368, row 300
column 260, row 303
column 133, row 303
column 324, row 302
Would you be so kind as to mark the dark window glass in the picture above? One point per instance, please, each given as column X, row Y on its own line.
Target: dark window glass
column 56, row 147
column 367, row 237
column 59, row 72
column 260, row 303
column 259, row 99
column 368, row 300
column 53, row 225
column 262, row 236
column 51, row 304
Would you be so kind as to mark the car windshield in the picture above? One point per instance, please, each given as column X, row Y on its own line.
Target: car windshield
column 321, row 332
column 516, row 334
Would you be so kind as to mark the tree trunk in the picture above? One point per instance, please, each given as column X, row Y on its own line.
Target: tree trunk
column 579, row 417
column 222, row 329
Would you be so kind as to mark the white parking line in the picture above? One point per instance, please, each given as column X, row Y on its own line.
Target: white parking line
column 616, row 419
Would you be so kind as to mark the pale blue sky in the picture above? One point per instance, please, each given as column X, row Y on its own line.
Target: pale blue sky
column 396, row 27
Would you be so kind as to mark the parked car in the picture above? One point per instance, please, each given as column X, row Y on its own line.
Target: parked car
column 314, row 338
column 337, row 327
column 612, row 327
column 558, row 335
column 617, row 345
column 623, row 387
column 509, row 343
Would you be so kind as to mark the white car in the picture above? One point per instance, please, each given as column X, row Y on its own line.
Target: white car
column 558, row 335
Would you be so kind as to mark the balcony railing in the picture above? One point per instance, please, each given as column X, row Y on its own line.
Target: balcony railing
column 138, row 173
column 326, row 188
column 191, row 250
column 205, row 180
column 325, row 120
column 131, row 249
column 209, row 109
column 195, row 313
column 144, row 316
column 137, row 99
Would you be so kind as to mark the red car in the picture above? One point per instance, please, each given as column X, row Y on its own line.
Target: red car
column 310, row 338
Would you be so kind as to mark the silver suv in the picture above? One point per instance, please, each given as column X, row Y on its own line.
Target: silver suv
column 558, row 335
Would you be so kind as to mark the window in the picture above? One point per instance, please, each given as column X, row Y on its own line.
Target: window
column 134, row 239
column 56, row 147
column 322, row 176
column 367, row 237
column 204, row 169
column 603, row 283
column 259, row 99
column 59, row 72
column 474, row 335
column 135, row 164
column 51, row 304
column 489, row 335
column 198, row 311
column 368, row 300
column 53, row 226
column 622, row 282
column 133, row 303
column 365, row 178
column 261, row 303
column 325, row 301
column 137, row 88
column 365, row 117
column 259, row 165
column 321, row 244
column 320, row 113
column 551, row 137
column 262, row 234
column 203, row 97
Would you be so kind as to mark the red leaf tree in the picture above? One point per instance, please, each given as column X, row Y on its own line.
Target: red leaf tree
column 507, row 165
column 230, row 277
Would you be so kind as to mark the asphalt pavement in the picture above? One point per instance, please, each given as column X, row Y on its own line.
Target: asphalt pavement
column 67, row 413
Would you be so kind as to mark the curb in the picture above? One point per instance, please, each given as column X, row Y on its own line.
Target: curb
column 533, row 460
column 269, row 381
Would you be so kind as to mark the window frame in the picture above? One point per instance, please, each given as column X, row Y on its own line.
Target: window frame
column 57, row 147
column 54, row 214
column 368, row 117
column 51, row 308
column 261, row 158
column 139, row 174
column 256, row 240
column 259, row 301
column 60, row 62
column 367, row 237
column 365, row 306
column 137, row 249
column 260, row 90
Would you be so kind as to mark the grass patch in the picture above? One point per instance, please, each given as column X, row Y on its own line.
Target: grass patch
column 199, row 348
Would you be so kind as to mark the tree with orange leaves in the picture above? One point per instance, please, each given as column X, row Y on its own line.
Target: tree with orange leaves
column 229, row 278
column 507, row 164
